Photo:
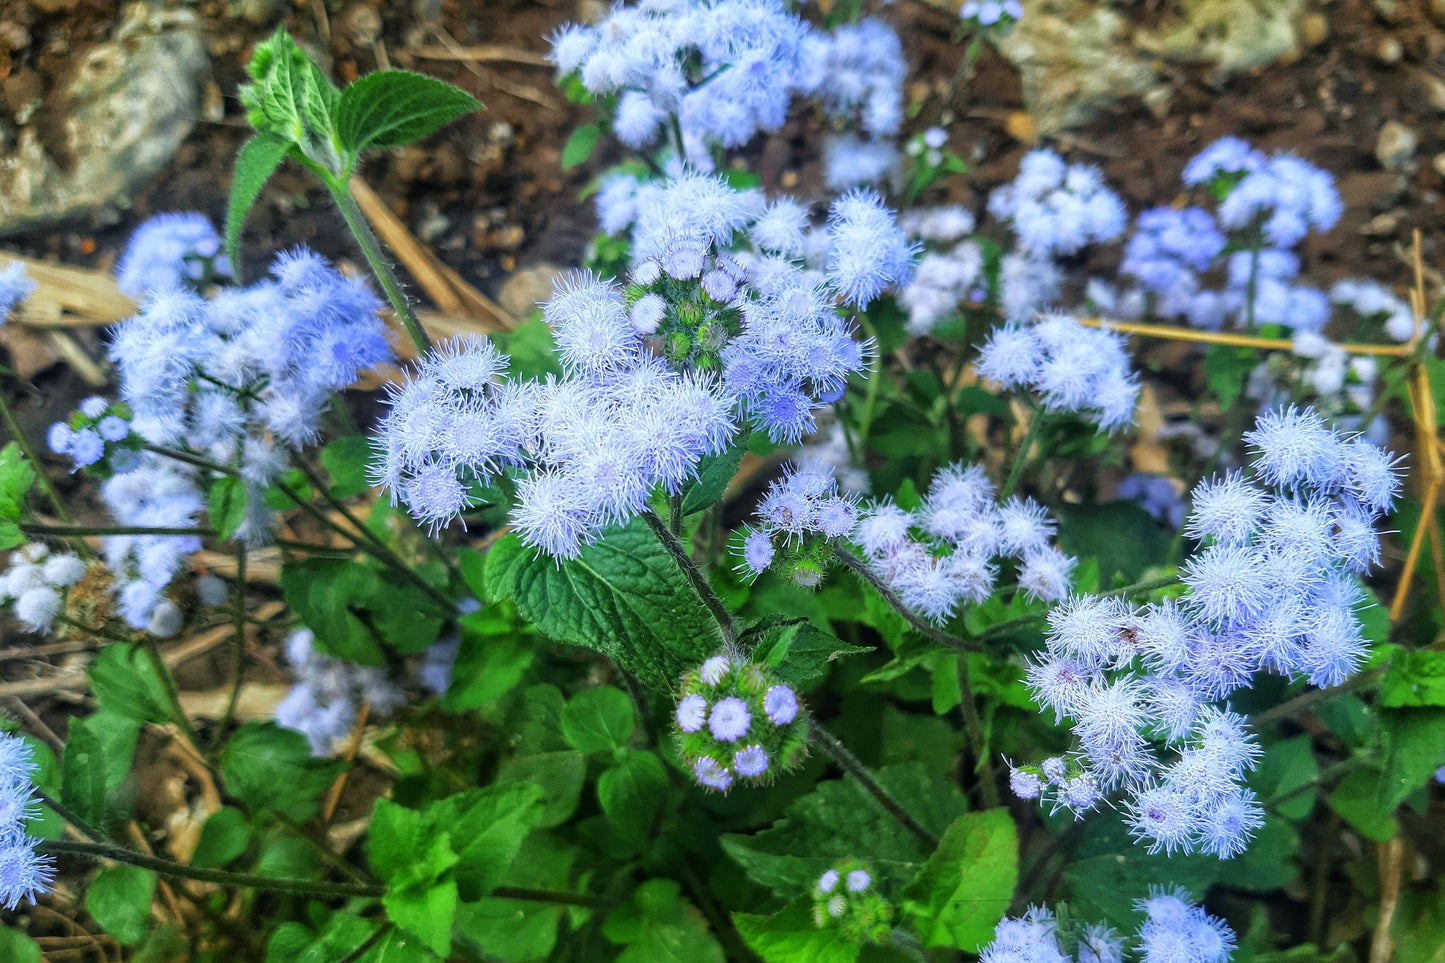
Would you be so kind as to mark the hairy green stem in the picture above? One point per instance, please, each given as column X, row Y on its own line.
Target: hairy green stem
column 977, row 740
column 1036, row 424
column 857, row 566
column 850, row 764
column 41, row 478
column 1305, row 700
column 79, row 531
column 81, row 826
column 675, row 548
column 371, row 250
column 173, row 696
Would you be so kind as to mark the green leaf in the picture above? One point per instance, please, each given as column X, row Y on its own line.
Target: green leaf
column 390, row 108
column 579, row 145
column 495, row 655
column 261, row 758
column 1121, row 535
column 16, row 947
column 598, row 720
column 398, row 946
column 226, row 504
column 224, row 837
column 966, row 885
column 658, row 926
column 799, row 652
column 791, row 936
column 125, row 684
column 255, row 163
column 487, row 826
column 560, row 776
column 1412, row 739
column 1226, row 370
column 631, row 791
column 345, row 460
column 393, row 838
column 623, row 596
column 83, row 775
column 517, row 930
column 120, row 900
column 1357, row 801
column 327, row 594
column 16, row 477
column 1284, row 771
column 713, row 474
column 1415, row 679
column 403, row 615
column 838, row 820
column 426, row 909
column 10, row 535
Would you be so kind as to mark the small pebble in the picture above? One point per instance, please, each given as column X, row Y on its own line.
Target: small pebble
column 1315, row 29
column 1389, row 51
column 1395, row 145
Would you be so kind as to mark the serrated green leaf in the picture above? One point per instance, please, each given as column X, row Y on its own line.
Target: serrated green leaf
column 16, row 477
column 327, row 594
column 1415, row 679
column 345, row 460
column 968, row 882
column 838, row 820
column 10, row 535
column 224, row 837
column 226, row 504
column 255, row 163
column 1357, row 801
column 598, row 720
column 631, row 791
column 392, row 838
column 713, row 474
column 1284, row 771
column 560, row 776
column 120, row 900
column 800, row 653
column 426, row 909
column 489, row 664
column 523, row 930
column 1121, row 535
column 623, row 596
column 83, row 772
column 1412, row 739
column 16, row 947
column 125, row 684
column 658, row 926
column 580, row 145
column 262, row 756
column 487, row 826
column 390, row 108
column 398, row 946
column 791, row 936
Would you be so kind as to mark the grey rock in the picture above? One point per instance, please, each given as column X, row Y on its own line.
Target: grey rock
column 527, row 288
column 1395, row 145
column 119, row 118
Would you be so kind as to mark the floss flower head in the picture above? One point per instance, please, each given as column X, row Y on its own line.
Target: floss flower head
column 800, row 519
column 15, row 287
column 1055, row 208
column 35, row 583
column 174, row 250
column 1174, row 930
column 1270, row 588
column 737, row 724
column 24, row 872
column 947, row 551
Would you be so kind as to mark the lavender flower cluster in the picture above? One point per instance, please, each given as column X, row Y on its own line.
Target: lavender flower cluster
column 720, row 73
column 1271, row 588
column 800, row 520
column 327, row 694
column 736, row 723
column 35, row 582
column 1175, row 930
column 946, row 552
column 15, row 287
column 175, row 250
column 1073, row 368
column 24, row 873
column 657, row 374
column 225, row 378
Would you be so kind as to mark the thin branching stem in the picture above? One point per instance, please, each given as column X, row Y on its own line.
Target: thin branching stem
column 380, row 267
column 850, row 764
column 699, row 582
column 857, row 566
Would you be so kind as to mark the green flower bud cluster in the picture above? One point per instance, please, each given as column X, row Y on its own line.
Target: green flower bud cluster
column 846, row 900
column 735, row 723
column 686, row 306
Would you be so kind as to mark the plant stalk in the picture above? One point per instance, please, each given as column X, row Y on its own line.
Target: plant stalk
column 675, row 548
column 371, row 250
column 850, row 764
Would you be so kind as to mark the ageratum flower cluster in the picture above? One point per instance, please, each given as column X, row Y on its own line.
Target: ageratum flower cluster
column 175, row 250
column 720, row 73
column 1073, row 368
column 15, row 287
column 737, row 724
column 24, row 873
column 1271, row 588
column 946, row 552
column 35, row 583
column 1175, row 930
column 800, row 519
column 226, row 378
column 845, row 899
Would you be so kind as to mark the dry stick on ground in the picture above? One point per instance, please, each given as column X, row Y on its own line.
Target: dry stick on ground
column 333, row 795
column 486, row 53
column 1391, row 857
